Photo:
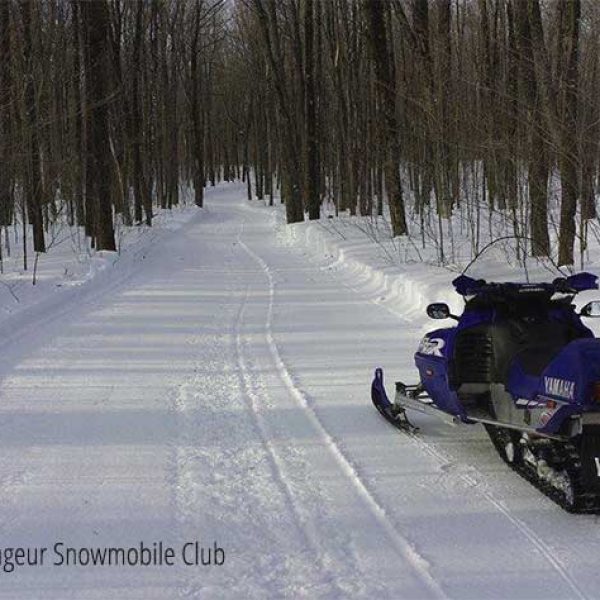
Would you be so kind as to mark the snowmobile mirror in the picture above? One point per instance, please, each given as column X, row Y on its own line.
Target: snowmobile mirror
column 439, row 310
column 591, row 309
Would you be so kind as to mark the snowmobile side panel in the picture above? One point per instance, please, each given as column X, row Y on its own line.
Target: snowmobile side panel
column 583, row 281
column 432, row 359
column 573, row 372
column 434, row 378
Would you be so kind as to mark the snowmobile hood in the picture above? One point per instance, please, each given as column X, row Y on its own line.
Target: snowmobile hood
column 467, row 286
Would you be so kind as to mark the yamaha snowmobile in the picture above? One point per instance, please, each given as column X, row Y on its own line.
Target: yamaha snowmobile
column 521, row 362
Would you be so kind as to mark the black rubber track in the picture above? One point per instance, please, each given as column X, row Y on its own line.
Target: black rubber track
column 583, row 502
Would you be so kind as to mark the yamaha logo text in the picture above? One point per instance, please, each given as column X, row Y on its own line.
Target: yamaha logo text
column 560, row 387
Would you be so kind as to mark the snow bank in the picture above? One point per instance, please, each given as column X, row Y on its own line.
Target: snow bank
column 389, row 273
column 70, row 272
column 405, row 289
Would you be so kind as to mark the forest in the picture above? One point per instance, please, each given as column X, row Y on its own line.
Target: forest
column 414, row 111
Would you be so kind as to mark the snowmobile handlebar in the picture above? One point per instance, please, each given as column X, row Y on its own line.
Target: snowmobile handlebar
column 467, row 286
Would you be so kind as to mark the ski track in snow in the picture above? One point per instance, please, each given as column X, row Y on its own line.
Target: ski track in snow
column 403, row 547
column 178, row 472
column 309, row 536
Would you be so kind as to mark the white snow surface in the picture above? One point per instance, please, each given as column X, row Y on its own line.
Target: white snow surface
column 215, row 387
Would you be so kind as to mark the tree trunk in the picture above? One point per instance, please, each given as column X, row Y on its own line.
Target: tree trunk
column 569, row 156
column 140, row 188
column 197, row 112
column 33, row 186
column 78, row 117
column 386, row 81
column 538, row 167
column 312, row 200
column 267, row 17
column 6, row 200
column 98, row 97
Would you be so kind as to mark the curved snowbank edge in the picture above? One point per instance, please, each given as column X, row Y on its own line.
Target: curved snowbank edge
column 404, row 289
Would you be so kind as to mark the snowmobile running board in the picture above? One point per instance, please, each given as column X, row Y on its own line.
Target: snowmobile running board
column 521, row 428
column 413, row 397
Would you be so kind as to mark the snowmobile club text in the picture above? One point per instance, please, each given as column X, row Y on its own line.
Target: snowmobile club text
column 156, row 554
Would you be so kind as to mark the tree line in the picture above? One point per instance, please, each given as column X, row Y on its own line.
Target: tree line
column 420, row 109
column 424, row 104
column 108, row 108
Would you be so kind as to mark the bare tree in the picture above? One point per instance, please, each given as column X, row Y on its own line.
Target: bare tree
column 33, row 183
column 386, row 80
column 570, row 14
column 98, row 98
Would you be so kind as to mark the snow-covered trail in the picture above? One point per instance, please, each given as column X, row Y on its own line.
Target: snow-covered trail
column 222, row 394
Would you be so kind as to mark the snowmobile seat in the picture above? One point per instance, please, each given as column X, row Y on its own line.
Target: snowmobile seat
column 535, row 358
column 541, row 343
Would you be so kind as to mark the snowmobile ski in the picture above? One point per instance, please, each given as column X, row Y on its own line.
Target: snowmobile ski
column 393, row 414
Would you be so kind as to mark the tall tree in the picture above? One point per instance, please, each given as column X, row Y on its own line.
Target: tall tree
column 99, row 97
column 266, row 12
column 537, row 151
column 141, row 193
column 6, row 201
column 33, row 185
column 312, row 200
column 386, row 80
column 197, row 93
column 570, row 14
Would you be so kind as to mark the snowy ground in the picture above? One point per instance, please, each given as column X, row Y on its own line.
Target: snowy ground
column 219, row 392
column 70, row 267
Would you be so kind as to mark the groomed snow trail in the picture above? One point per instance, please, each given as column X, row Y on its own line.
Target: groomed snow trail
column 221, row 393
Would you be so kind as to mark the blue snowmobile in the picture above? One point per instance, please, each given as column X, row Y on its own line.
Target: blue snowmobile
column 521, row 362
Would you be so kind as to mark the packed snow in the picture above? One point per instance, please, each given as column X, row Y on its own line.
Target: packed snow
column 213, row 386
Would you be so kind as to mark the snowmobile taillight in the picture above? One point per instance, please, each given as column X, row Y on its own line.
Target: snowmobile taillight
column 596, row 391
